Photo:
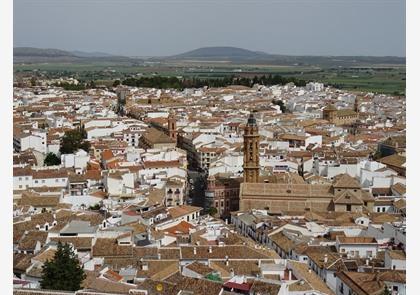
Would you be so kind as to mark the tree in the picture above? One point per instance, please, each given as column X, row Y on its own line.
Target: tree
column 63, row 272
column 74, row 140
column 116, row 83
column 95, row 207
column 212, row 211
column 51, row 160
column 280, row 103
column 386, row 291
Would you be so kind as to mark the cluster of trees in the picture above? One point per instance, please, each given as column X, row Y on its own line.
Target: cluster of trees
column 176, row 83
column 278, row 80
column 74, row 140
column 74, row 87
column 70, row 86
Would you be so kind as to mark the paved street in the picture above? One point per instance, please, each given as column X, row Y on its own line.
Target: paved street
column 197, row 187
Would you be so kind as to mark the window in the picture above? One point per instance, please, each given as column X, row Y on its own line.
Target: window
column 20, row 178
column 383, row 209
column 369, row 253
column 36, row 181
column 348, row 208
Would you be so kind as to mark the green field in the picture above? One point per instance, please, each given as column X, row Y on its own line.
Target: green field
column 388, row 79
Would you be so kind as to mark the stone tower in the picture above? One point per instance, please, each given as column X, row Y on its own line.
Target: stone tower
column 172, row 127
column 356, row 104
column 328, row 113
column 251, row 150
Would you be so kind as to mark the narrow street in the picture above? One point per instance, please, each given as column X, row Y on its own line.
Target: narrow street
column 197, row 187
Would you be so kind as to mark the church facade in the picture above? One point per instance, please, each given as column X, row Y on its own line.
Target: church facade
column 344, row 194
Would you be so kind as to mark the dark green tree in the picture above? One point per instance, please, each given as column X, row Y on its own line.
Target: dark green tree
column 74, row 140
column 63, row 272
column 116, row 83
column 386, row 291
column 281, row 104
column 51, row 160
column 212, row 211
column 91, row 84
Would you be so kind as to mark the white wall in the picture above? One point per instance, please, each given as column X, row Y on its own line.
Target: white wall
column 363, row 249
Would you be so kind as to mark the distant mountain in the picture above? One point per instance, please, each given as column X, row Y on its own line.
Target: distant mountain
column 35, row 55
column 90, row 54
column 49, row 52
column 243, row 56
column 233, row 55
column 221, row 53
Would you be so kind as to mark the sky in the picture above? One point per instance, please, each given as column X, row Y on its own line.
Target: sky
column 168, row 27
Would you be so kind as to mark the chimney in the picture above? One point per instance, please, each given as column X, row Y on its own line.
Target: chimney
column 259, row 262
column 195, row 251
column 210, row 249
column 367, row 262
column 310, row 270
column 325, row 258
column 290, row 274
column 227, row 260
column 232, row 272
column 159, row 256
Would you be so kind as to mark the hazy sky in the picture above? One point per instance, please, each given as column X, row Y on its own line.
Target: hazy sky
column 166, row 27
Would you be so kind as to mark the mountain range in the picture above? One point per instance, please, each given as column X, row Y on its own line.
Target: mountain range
column 227, row 54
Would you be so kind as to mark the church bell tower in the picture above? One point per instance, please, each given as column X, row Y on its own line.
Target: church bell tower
column 251, row 150
column 172, row 127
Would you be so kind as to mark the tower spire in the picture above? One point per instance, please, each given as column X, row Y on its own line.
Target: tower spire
column 172, row 126
column 251, row 150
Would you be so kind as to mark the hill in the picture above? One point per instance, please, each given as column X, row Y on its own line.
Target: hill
column 41, row 55
column 244, row 56
column 232, row 55
column 221, row 53
column 49, row 52
column 91, row 54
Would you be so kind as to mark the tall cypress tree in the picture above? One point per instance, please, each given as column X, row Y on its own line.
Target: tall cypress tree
column 63, row 272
